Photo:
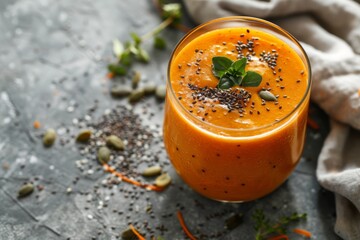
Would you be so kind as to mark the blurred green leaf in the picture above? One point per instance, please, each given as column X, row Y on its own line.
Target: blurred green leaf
column 117, row 69
column 118, row 48
column 125, row 58
column 136, row 38
column 172, row 10
column 143, row 55
column 159, row 43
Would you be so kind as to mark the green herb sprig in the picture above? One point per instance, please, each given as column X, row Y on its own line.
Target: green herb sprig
column 232, row 73
column 264, row 228
column 132, row 50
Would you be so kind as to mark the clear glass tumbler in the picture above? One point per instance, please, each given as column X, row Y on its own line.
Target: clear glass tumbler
column 234, row 164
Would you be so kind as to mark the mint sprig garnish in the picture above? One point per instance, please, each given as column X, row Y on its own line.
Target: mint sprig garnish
column 265, row 228
column 232, row 73
column 132, row 50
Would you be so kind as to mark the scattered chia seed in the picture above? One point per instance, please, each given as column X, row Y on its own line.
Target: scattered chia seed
column 249, row 45
column 231, row 98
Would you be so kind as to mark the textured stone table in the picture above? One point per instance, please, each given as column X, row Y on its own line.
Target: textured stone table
column 53, row 57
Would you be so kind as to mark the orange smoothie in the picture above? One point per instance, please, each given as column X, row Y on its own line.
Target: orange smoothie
column 236, row 144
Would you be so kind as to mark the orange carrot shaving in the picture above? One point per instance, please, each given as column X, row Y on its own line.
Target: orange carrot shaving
column 303, row 232
column 36, row 124
column 279, row 237
column 184, row 227
column 136, row 233
column 312, row 124
column 359, row 92
column 122, row 177
column 110, row 75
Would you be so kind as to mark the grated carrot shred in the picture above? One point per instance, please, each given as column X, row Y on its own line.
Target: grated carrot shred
column 279, row 237
column 110, row 75
column 124, row 178
column 138, row 235
column 36, row 124
column 303, row 232
column 312, row 124
column 184, row 227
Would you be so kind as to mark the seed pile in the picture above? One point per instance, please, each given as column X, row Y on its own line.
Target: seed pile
column 249, row 46
column 233, row 99
column 135, row 153
column 121, row 123
column 271, row 59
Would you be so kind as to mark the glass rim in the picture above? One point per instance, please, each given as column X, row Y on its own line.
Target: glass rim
column 241, row 19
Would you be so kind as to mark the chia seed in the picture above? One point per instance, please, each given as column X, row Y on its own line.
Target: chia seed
column 231, row 98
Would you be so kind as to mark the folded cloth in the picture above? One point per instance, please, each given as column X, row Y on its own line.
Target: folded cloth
column 330, row 33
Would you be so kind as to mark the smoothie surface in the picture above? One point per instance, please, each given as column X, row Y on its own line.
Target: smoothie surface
column 283, row 74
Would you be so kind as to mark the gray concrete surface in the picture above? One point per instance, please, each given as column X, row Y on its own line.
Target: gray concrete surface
column 53, row 57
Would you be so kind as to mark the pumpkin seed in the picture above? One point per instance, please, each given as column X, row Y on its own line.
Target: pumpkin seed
column 135, row 80
column 115, row 142
column 266, row 95
column 69, row 190
column 233, row 221
column 152, row 171
column 84, row 135
column 150, row 88
column 103, row 155
column 160, row 92
column 25, row 190
column 149, row 208
column 163, row 180
column 128, row 234
column 49, row 137
column 136, row 95
column 120, row 91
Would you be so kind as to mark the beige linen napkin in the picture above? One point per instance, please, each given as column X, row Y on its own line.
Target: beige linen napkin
column 329, row 30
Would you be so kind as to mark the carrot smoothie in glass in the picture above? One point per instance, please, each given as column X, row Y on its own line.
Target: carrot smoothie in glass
column 236, row 107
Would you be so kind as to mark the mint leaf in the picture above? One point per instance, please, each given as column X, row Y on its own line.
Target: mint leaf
column 235, row 78
column 225, row 83
column 118, row 48
column 159, row 43
column 125, row 58
column 239, row 66
column 233, row 73
column 142, row 55
column 221, row 65
column 117, row 69
column 136, row 38
column 172, row 10
column 251, row 79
